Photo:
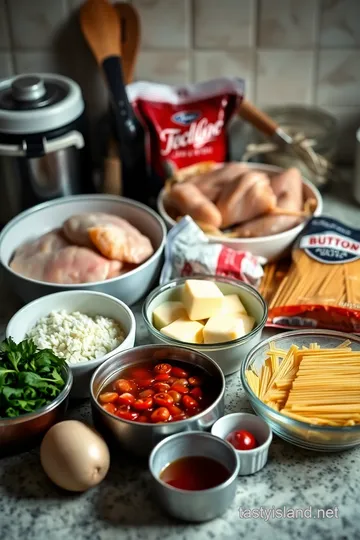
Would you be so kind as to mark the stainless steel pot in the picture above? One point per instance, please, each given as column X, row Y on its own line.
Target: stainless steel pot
column 42, row 142
column 140, row 439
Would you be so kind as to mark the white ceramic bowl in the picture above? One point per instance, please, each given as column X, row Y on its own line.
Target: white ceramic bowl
column 41, row 219
column 88, row 302
column 251, row 461
column 271, row 247
column 230, row 355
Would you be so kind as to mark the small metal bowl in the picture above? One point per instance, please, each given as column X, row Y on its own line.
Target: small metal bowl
column 139, row 438
column 195, row 506
column 25, row 431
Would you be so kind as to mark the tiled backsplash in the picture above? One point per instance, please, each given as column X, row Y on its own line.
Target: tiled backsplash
column 289, row 51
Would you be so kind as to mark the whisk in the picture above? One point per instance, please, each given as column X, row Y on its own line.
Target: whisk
column 298, row 145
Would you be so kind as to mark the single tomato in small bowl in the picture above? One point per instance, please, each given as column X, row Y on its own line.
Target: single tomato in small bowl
column 242, row 440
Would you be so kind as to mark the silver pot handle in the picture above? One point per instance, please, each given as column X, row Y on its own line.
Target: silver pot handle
column 73, row 138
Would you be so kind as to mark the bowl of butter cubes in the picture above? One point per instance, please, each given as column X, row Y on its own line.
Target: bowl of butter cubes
column 219, row 316
column 84, row 328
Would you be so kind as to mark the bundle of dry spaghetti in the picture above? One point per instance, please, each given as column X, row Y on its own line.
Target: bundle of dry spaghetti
column 312, row 385
column 321, row 287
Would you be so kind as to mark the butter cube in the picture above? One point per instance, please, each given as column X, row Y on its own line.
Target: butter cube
column 248, row 322
column 185, row 330
column 202, row 299
column 232, row 304
column 167, row 313
column 221, row 328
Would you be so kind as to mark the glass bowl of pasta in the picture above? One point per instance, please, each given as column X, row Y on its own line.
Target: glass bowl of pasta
column 306, row 385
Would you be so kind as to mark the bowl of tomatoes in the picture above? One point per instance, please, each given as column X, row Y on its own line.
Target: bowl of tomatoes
column 251, row 437
column 144, row 394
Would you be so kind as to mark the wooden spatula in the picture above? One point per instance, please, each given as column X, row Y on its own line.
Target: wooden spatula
column 130, row 37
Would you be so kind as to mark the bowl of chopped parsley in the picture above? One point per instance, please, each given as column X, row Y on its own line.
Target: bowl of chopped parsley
column 34, row 392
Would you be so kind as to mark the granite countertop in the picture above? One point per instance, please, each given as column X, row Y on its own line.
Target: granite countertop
column 32, row 508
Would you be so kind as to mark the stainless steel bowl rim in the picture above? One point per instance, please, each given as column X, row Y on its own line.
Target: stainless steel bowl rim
column 121, row 304
column 262, row 167
column 149, row 347
column 82, row 198
column 177, row 282
column 47, row 408
column 281, row 417
column 205, row 435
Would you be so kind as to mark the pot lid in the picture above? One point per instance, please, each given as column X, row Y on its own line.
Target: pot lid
column 37, row 103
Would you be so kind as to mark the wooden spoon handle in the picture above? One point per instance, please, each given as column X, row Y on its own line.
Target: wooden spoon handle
column 130, row 38
column 257, row 118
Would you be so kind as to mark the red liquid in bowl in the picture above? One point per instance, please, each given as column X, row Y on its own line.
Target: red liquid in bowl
column 194, row 473
column 167, row 391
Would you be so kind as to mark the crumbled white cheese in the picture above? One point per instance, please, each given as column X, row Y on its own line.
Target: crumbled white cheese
column 75, row 336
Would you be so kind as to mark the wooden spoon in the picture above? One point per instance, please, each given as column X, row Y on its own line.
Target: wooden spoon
column 101, row 27
column 130, row 37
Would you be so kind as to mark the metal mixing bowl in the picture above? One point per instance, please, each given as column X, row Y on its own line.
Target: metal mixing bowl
column 25, row 431
column 139, row 438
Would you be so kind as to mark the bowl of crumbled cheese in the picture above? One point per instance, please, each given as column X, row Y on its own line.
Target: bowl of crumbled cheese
column 83, row 327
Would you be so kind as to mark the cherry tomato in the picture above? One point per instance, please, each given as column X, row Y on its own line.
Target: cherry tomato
column 161, row 387
column 196, row 393
column 143, row 404
column 175, row 395
column 172, row 380
column 140, row 373
column 125, row 413
column 162, row 368
column 145, row 383
column 180, row 388
column 142, row 418
column 160, row 415
column 146, row 393
column 110, row 407
column 178, row 418
column 174, row 410
column 189, row 402
column 108, row 397
column 193, row 412
column 162, row 377
column 163, row 399
column 242, row 440
column 178, row 372
column 123, row 385
column 185, row 382
column 195, row 381
column 126, row 399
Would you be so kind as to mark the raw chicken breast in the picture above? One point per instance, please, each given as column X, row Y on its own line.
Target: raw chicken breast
column 122, row 242
column 79, row 265
column 245, row 198
column 188, row 199
column 48, row 243
column 289, row 191
column 118, row 245
column 211, row 183
column 51, row 259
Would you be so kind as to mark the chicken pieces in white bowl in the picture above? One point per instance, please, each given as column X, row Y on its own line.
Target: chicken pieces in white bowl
column 95, row 242
column 246, row 206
